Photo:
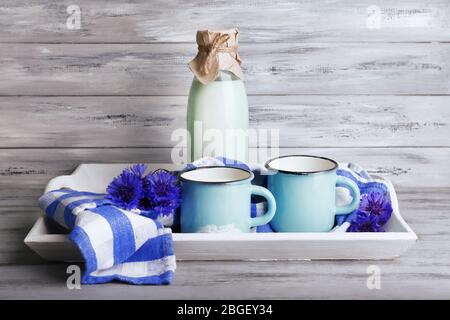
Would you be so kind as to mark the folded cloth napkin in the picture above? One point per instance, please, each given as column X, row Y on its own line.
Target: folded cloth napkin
column 116, row 244
column 351, row 170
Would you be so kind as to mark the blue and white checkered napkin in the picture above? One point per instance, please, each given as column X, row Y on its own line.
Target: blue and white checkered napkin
column 116, row 244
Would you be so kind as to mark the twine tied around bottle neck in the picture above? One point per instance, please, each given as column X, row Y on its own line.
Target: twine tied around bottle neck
column 216, row 51
column 211, row 50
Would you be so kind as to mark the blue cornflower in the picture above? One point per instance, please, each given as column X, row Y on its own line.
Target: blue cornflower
column 126, row 190
column 365, row 223
column 154, row 194
column 162, row 192
column 139, row 170
column 374, row 211
column 376, row 204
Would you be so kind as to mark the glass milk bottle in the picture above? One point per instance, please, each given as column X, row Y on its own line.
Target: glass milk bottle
column 217, row 116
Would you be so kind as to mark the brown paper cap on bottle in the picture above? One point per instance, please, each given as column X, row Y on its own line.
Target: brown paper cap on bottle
column 217, row 50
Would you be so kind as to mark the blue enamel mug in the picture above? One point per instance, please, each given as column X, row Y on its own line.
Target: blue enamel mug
column 304, row 188
column 217, row 199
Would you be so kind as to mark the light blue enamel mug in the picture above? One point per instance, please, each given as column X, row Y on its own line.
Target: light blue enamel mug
column 218, row 199
column 304, row 188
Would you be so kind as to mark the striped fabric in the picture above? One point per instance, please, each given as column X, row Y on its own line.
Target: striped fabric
column 116, row 244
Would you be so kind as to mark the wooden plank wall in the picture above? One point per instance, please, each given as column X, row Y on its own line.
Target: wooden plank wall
column 365, row 81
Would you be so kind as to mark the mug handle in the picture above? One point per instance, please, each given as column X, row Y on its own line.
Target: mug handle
column 271, row 206
column 355, row 195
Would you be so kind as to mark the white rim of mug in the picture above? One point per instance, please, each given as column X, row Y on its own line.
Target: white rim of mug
column 302, row 173
column 250, row 177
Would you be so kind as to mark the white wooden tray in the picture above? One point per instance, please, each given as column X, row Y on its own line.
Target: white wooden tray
column 52, row 244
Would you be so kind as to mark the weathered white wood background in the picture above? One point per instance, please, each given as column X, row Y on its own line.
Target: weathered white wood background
column 365, row 81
